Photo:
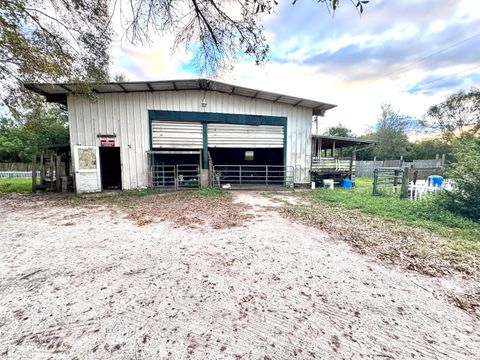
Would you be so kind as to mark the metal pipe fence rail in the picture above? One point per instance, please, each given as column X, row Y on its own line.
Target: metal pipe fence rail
column 175, row 177
column 253, row 176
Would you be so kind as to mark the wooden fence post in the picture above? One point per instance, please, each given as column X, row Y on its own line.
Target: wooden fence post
column 58, row 173
column 34, row 173
column 405, row 181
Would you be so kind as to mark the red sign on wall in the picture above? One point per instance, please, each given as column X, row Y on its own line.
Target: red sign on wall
column 107, row 142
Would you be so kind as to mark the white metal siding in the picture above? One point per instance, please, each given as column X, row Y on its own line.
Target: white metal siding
column 126, row 115
column 245, row 136
column 181, row 135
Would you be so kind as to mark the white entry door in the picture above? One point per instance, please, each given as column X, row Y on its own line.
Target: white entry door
column 87, row 169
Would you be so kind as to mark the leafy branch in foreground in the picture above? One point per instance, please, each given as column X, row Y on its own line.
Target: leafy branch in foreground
column 219, row 32
column 51, row 40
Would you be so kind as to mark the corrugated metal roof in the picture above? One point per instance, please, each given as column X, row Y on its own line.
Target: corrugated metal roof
column 341, row 141
column 59, row 92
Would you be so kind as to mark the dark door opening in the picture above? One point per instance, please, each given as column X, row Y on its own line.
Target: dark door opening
column 110, row 168
column 249, row 167
column 246, row 156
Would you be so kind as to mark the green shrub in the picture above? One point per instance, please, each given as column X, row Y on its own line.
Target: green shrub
column 465, row 172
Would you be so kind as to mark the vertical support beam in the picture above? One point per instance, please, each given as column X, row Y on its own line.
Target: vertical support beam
column 352, row 159
column 266, row 175
column 34, row 173
column 443, row 160
column 333, row 149
column 149, row 171
column 175, row 175
column 319, row 154
column 58, row 173
column 205, row 145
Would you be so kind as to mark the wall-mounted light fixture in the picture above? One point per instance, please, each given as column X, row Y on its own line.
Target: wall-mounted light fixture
column 204, row 103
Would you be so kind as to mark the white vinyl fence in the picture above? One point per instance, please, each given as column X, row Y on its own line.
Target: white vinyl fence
column 17, row 174
column 422, row 189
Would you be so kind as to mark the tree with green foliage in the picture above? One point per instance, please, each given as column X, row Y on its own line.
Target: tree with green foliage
column 390, row 133
column 464, row 199
column 51, row 40
column 20, row 138
column 339, row 130
column 429, row 149
column 456, row 117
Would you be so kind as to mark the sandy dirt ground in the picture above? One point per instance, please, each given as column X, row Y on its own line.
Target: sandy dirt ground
column 88, row 283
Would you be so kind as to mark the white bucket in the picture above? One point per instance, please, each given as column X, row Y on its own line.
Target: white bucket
column 328, row 183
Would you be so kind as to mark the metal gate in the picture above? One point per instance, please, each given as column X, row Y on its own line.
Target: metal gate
column 253, row 176
column 175, row 177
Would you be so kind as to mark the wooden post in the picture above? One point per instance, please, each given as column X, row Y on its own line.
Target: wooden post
column 42, row 170
column 34, row 173
column 58, row 173
column 443, row 160
column 319, row 151
column 52, row 169
column 405, row 181
column 333, row 149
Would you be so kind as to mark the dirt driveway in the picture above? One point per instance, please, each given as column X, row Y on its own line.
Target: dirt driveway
column 87, row 282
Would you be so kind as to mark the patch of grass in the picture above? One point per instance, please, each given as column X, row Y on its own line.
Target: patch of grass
column 15, row 185
column 462, row 233
column 209, row 192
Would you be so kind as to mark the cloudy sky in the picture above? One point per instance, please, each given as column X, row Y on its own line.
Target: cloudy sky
column 411, row 53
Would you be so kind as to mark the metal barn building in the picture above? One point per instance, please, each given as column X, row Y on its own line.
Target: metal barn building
column 186, row 133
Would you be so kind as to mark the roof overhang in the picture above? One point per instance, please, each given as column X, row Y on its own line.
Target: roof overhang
column 58, row 92
column 340, row 141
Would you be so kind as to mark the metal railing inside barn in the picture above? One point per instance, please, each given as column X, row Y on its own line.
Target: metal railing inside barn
column 184, row 176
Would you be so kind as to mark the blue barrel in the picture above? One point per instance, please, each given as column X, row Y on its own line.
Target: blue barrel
column 435, row 180
column 347, row 183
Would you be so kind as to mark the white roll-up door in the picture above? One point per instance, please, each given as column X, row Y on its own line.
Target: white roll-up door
column 245, row 136
column 179, row 135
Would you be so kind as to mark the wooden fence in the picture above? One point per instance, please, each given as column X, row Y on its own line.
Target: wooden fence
column 15, row 166
column 365, row 168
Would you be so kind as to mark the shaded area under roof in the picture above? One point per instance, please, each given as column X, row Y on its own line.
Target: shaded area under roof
column 340, row 141
column 58, row 92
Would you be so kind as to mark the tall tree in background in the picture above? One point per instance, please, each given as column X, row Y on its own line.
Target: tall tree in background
column 390, row 132
column 51, row 40
column 456, row 117
column 339, row 130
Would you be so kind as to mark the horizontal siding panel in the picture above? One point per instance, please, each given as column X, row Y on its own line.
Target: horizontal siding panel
column 184, row 135
column 245, row 136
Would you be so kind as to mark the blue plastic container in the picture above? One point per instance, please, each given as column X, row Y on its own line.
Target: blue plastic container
column 435, row 180
column 347, row 183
